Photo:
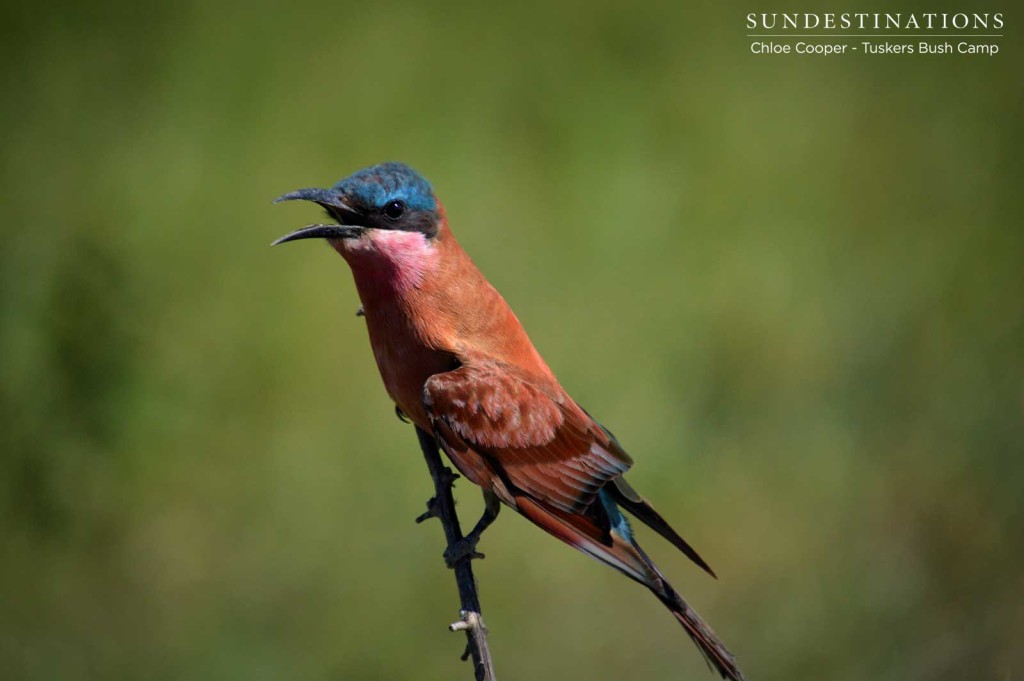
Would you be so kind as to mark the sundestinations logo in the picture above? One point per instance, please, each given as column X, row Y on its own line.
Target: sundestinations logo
column 875, row 33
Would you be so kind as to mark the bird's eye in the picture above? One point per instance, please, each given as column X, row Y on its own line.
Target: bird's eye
column 394, row 210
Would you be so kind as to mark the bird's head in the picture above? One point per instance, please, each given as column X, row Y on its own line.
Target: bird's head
column 387, row 196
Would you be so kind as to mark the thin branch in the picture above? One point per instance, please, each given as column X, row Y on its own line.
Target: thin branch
column 442, row 507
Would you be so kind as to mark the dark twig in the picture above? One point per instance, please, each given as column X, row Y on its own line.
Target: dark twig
column 442, row 507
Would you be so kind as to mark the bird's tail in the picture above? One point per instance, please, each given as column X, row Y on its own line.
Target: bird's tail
column 605, row 534
column 714, row 651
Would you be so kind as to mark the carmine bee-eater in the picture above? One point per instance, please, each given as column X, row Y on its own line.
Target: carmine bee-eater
column 457, row 362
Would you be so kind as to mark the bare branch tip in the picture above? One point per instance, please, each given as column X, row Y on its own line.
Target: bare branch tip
column 442, row 506
column 431, row 512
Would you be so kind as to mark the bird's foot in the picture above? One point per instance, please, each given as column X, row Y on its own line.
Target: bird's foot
column 464, row 549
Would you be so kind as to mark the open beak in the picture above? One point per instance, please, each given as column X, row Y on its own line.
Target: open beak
column 334, row 205
column 322, row 232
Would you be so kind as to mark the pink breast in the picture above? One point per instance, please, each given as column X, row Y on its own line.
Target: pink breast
column 389, row 261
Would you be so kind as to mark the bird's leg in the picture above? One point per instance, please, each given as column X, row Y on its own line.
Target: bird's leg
column 466, row 547
column 491, row 509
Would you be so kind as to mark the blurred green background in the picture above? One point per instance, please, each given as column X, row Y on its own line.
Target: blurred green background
column 792, row 286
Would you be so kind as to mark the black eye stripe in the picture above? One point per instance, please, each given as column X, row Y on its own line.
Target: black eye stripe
column 393, row 210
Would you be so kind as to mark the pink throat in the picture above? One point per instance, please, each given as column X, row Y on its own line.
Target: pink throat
column 388, row 261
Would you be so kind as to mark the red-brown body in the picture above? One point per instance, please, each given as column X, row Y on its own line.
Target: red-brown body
column 428, row 309
column 418, row 319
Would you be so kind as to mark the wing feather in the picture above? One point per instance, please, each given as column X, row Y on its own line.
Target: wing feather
column 542, row 441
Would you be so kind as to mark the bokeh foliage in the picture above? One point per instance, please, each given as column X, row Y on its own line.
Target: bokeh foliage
column 791, row 286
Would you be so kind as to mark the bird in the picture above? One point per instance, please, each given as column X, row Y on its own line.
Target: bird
column 456, row 361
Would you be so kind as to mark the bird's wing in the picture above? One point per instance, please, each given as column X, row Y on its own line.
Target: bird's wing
column 532, row 434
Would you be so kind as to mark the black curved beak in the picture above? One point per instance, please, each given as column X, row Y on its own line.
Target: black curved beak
column 330, row 201
column 325, row 197
column 322, row 232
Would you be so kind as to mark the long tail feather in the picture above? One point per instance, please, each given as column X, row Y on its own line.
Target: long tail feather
column 617, row 548
column 714, row 651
